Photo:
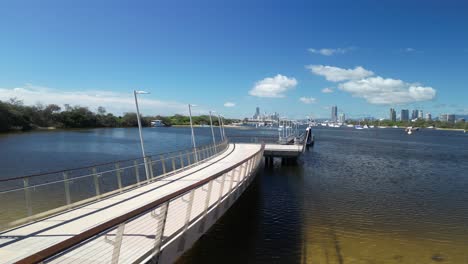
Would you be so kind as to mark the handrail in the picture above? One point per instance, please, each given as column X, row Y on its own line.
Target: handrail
column 100, row 228
column 98, row 182
column 100, row 164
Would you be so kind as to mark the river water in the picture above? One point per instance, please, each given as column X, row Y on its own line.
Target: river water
column 357, row 196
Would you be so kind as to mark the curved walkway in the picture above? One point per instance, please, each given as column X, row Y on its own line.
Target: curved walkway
column 26, row 240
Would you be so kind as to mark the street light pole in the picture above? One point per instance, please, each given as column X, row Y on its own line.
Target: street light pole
column 220, row 129
column 212, row 131
column 222, row 125
column 193, row 134
column 135, row 92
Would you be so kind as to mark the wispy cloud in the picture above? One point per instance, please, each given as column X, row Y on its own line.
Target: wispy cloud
column 362, row 83
column 327, row 90
column 308, row 100
column 273, row 87
column 229, row 104
column 330, row 51
column 114, row 102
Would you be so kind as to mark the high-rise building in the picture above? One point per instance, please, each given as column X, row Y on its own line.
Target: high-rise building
column 451, row 118
column 404, row 115
column 420, row 114
column 334, row 114
column 428, row 116
column 392, row 114
column 257, row 113
column 342, row 118
column 414, row 114
column 443, row 117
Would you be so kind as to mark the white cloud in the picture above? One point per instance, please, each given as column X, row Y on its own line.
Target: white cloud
column 273, row 87
column 335, row 74
column 229, row 104
column 329, row 51
column 360, row 82
column 114, row 102
column 327, row 90
column 308, row 100
column 378, row 90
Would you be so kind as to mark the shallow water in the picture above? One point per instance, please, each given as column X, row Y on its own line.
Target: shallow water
column 357, row 196
column 372, row 196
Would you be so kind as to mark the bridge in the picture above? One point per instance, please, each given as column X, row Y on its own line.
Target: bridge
column 130, row 211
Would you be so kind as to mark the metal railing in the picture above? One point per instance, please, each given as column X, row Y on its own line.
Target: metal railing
column 142, row 234
column 28, row 198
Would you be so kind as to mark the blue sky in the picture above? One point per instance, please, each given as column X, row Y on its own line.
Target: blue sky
column 378, row 54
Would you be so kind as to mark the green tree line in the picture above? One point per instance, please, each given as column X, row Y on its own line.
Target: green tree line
column 14, row 115
column 417, row 123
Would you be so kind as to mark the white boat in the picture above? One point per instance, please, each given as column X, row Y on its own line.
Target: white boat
column 350, row 125
column 382, row 127
column 358, row 127
column 365, row 126
column 371, row 126
column 395, row 126
column 157, row 123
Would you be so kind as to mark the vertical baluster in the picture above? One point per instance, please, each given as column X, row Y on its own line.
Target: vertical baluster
column 189, row 209
column 223, row 178
column 118, row 172
column 163, row 163
column 27, row 196
column 96, row 182
column 150, row 164
column 137, row 171
column 188, row 159
column 66, row 182
column 173, row 164
column 118, row 243
column 158, row 239
column 181, row 160
column 208, row 198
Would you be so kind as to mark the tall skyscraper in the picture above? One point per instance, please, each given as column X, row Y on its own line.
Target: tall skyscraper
column 443, row 117
column 342, row 118
column 420, row 114
column 392, row 114
column 414, row 114
column 334, row 113
column 257, row 113
column 428, row 116
column 404, row 115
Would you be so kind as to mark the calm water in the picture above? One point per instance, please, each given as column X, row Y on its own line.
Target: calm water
column 368, row 196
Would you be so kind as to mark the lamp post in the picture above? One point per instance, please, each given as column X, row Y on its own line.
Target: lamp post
column 220, row 129
column 212, row 131
column 193, row 134
column 222, row 126
column 135, row 92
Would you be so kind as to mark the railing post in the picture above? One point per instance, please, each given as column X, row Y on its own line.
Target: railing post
column 96, row 182
column 137, row 171
column 201, row 229
column 173, row 164
column 181, row 160
column 27, row 196
column 119, row 176
column 158, row 239
column 221, row 188
column 189, row 209
column 150, row 164
column 118, row 243
column 163, row 164
column 66, row 182
column 189, row 161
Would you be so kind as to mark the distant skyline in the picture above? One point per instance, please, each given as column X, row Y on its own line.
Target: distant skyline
column 297, row 58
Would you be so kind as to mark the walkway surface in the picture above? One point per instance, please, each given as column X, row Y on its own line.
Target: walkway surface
column 23, row 241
